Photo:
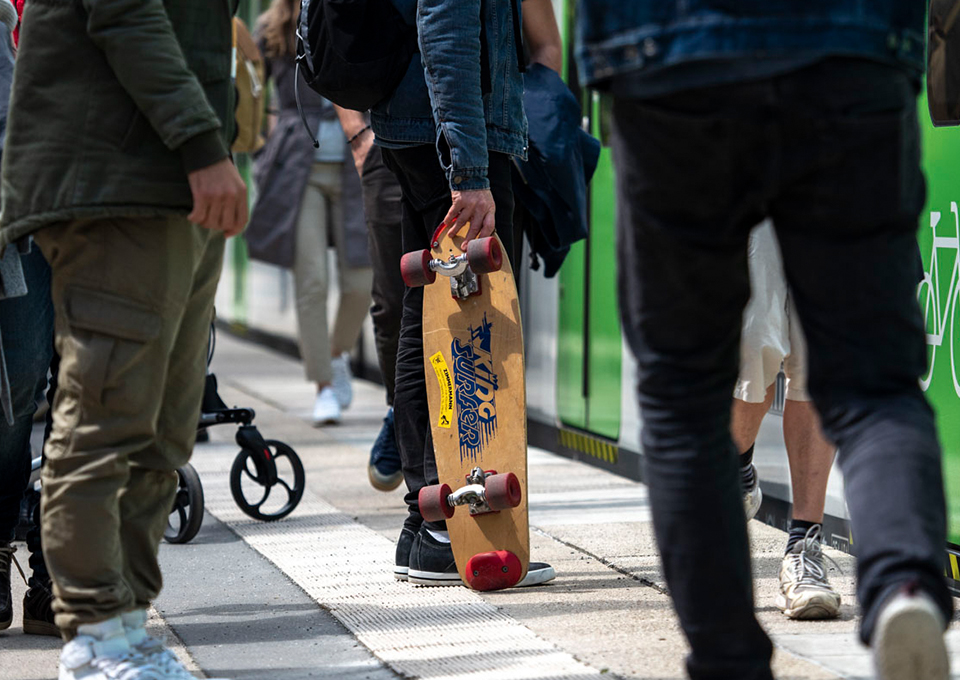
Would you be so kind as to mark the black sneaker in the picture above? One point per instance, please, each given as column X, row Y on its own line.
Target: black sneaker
column 431, row 562
column 6, row 596
column 38, row 609
column 402, row 562
column 384, row 469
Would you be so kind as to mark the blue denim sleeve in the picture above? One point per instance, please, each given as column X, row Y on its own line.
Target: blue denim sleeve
column 449, row 32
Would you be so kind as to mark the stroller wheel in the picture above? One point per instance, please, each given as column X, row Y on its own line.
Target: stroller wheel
column 186, row 516
column 267, row 485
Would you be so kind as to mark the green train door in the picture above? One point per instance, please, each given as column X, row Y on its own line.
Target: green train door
column 589, row 339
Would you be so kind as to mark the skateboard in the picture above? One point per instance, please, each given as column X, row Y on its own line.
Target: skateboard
column 473, row 361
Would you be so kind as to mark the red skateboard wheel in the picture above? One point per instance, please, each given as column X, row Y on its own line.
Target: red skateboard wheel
column 493, row 570
column 503, row 491
column 415, row 268
column 433, row 503
column 484, row 255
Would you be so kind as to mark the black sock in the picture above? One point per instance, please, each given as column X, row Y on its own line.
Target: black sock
column 798, row 531
column 747, row 474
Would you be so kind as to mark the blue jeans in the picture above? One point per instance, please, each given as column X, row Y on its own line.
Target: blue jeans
column 832, row 154
column 26, row 326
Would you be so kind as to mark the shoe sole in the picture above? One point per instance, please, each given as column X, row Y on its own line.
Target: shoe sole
column 6, row 624
column 382, row 482
column 537, row 577
column 326, row 421
column 429, row 578
column 34, row 627
column 814, row 609
column 908, row 644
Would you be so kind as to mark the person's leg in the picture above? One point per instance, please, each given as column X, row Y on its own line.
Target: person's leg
column 683, row 285
column 310, row 278
column 26, row 326
column 119, row 288
column 354, row 285
column 810, row 456
column 850, row 261
column 426, row 199
column 745, row 419
column 148, row 494
column 383, row 210
column 809, row 453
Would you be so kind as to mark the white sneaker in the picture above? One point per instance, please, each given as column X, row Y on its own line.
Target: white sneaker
column 326, row 409
column 753, row 496
column 805, row 591
column 152, row 649
column 342, row 379
column 100, row 651
column 908, row 641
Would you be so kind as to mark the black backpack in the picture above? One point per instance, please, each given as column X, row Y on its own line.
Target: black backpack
column 353, row 52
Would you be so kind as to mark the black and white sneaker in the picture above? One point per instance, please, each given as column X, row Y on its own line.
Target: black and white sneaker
column 435, row 566
column 431, row 562
column 537, row 574
column 401, row 564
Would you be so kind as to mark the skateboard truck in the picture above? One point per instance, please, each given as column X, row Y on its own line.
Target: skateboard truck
column 482, row 256
column 485, row 492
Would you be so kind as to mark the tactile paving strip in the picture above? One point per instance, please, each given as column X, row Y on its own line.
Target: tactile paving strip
column 436, row 633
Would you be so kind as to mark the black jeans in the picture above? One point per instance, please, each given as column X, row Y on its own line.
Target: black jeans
column 831, row 153
column 426, row 200
column 381, row 205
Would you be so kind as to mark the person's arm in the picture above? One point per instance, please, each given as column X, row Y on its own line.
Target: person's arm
column 139, row 43
column 449, row 35
column 542, row 35
column 357, row 130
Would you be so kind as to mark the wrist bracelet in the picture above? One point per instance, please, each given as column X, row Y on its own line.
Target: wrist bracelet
column 357, row 136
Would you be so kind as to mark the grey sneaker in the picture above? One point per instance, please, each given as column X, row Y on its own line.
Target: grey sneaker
column 752, row 496
column 908, row 640
column 341, row 383
column 805, row 592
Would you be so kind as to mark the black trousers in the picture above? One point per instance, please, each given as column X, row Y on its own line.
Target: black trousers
column 831, row 153
column 426, row 200
column 381, row 205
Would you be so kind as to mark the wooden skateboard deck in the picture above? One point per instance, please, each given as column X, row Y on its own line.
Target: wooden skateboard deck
column 473, row 359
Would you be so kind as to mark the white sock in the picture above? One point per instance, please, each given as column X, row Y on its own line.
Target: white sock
column 442, row 536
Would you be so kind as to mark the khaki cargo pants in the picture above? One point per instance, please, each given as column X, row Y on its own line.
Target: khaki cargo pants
column 133, row 300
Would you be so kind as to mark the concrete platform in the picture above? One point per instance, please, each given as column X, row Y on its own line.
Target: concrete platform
column 312, row 596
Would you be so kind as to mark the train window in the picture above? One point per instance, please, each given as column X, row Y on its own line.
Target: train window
column 943, row 62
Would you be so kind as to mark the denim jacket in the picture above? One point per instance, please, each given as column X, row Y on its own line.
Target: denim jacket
column 617, row 36
column 440, row 100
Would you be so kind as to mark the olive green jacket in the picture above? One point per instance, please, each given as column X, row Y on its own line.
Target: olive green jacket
column 113, row 103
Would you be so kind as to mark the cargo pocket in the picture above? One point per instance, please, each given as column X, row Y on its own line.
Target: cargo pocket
column 110, row 338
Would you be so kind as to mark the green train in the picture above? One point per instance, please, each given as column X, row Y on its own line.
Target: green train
column 581, row 402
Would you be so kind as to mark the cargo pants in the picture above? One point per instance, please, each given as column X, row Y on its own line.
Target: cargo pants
column 133, row 301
